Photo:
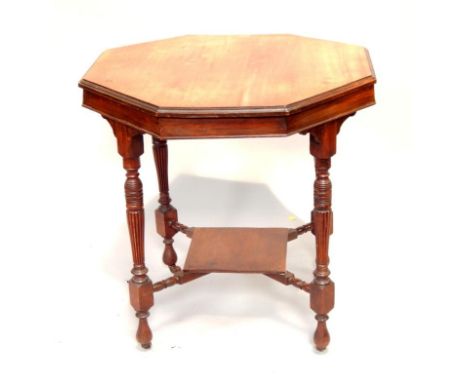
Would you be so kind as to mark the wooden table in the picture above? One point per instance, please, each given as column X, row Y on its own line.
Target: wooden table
column 228, row 87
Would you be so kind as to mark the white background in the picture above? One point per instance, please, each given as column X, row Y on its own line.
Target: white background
column 398, row 253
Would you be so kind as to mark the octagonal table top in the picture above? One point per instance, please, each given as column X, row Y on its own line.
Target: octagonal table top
column 243, row 75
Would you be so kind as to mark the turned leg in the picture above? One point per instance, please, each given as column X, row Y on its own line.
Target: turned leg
column 166, row 213
column 130, row 146
column 322, row 289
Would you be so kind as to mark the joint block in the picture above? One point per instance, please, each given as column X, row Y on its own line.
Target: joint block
column 164, row 215
column 322, row 297
column 141, row 295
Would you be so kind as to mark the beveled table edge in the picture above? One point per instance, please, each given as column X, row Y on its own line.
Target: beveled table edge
column 229, row 126
column 216, row 112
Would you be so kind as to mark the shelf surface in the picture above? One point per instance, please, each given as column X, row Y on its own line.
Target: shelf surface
column 237, row 250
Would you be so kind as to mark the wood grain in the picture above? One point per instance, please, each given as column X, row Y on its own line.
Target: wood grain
column 130, row 147
column 198, row 74
column 251, row 250
column 228, row 86
column 166, row 213
column 322, row 288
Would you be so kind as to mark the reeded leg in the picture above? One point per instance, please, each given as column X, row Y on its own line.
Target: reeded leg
column 130, row 146
column 166, row 213
column 322, row 291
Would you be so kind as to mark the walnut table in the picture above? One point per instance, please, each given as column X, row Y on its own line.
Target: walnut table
column 228, row 87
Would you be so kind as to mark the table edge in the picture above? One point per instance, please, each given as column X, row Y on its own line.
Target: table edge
column 216, row 112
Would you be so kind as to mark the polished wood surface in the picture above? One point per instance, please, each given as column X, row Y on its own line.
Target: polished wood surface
column 206, row 72
column 166, row 213
column 248, row 250
column 322, row 289
column 228, row 86
column 130, row 147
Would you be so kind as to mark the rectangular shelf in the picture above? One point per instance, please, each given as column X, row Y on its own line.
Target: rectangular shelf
column 237, row 250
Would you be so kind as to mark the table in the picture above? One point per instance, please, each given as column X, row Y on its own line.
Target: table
column 248, row 86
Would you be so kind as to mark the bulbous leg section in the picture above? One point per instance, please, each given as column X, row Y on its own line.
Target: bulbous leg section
column 321, row 335
column 144, row 334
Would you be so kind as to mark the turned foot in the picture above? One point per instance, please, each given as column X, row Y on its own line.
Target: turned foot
column 321, row 302
column 142, row 299
column 144, row 334
column 321, row 335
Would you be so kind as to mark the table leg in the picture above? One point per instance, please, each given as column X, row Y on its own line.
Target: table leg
column 322, row 289
column 130, row 147
column 166, row 213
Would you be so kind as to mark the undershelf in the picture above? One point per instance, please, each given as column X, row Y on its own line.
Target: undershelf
column 237, row 250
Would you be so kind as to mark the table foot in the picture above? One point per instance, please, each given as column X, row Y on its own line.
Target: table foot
column 142, row 299
column 321, row 335
column 321, row 302
column 144, row 334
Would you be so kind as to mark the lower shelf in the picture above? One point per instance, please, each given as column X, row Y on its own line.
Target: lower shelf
column 237, row 250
